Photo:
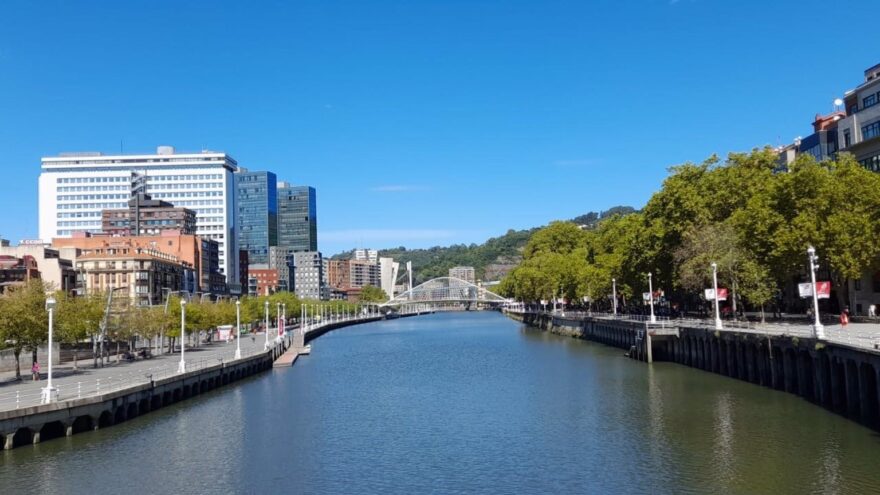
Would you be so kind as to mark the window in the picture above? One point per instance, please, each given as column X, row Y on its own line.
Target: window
column 871, row 130
column 847, row 138
column 869, row 101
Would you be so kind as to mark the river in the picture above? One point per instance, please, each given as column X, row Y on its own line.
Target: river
column 464, row 403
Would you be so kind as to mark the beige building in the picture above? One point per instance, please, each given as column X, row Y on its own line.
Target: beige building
column 55, row 265
column 143, row 274
column 466, row 273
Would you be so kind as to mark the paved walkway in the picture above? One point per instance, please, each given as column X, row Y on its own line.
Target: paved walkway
column 863, row 335
column 87, row 381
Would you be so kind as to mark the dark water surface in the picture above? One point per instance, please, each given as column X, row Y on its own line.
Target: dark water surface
column 465, row 403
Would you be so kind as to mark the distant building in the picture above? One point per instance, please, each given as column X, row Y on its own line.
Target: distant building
column 370, row 255
column 16, row 272
column 147, row 216
column 297, row 218
column 309, row 275
column 257, row 214
column 282, row 262
column 388, row 271
column 262, row 280
column 75, row 188
column 363, row 273
column 466, row 273
column 337, row 273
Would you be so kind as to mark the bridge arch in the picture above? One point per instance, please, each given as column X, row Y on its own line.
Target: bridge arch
column 446, row 290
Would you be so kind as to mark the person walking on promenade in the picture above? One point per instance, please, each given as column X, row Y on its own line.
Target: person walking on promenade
column 35, row 371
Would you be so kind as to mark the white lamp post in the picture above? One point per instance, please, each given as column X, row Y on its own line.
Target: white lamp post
column 181, row 368
column 238, row 329
column 49, row 393
column 614, row 295
column 818, row 329
column 267, row 323
column 278, row 322
column 718, row 325
column 651, row 295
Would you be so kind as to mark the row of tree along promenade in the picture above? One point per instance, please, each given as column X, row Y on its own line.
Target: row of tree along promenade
column 87, row 399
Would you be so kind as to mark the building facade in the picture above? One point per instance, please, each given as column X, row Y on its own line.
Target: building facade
column 297, row 218
column 202, row 256
column 370, row 255
column 74, row 189
column 466, row 273
column 282, row 262
column 257, row 214
column 262, row 280
column 55, row 267
column 148, row 216
column 859, row 131
column 388, row 271
column 144, row 275
column 15, row 272
column 309, row 275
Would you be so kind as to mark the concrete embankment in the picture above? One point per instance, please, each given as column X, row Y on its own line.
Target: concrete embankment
column 838, row 377
column 35, row 424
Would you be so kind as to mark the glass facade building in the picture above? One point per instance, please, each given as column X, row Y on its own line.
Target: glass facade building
column 297, row 218
column 257, row 214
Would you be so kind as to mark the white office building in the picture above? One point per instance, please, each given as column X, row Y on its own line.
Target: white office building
column 75, row 187
column 388, row 270
column 370, row 255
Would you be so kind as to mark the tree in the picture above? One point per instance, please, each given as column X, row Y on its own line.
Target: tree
column 372, row 294
column 24, row 321
column 77, row 318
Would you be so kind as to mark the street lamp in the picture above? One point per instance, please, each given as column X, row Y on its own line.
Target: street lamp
column 267, row 323
column 181, row 368
column 278, row 321
column 718, row 325
column 818, row 329
column 614, row 295
column 651, row 294
column 49, row 393
column 238, row 329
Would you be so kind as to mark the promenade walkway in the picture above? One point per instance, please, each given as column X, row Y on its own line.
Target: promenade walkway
column 88, row 381
column 860, row 335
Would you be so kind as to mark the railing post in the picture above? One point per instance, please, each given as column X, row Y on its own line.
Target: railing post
column 78, row 390
column 17, row 398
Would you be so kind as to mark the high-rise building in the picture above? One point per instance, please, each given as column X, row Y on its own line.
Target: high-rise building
column 74, row 188
column 297, row 218
column 466, row 273
column 308, row 275
column 370, row 255
column 388, row 270
column 257, row 214
column 282, row 262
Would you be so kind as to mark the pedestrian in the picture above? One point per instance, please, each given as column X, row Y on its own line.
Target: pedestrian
column 872, row 310
column 35, row 371
column 844, row 317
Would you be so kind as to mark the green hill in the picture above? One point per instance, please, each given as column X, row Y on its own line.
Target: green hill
column 491, row 260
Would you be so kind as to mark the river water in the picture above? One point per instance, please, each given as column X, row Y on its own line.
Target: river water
column 464, row 403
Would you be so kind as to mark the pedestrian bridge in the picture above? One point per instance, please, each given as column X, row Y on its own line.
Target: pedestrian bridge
column 445, row 291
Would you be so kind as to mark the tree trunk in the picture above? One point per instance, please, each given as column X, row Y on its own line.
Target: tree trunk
column 762, row 314
column 17, row 354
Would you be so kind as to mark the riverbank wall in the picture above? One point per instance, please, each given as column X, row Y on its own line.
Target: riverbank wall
column 838, row 377
column 35, row 424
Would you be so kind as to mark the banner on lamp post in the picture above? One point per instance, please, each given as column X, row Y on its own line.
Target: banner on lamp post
column 823, row 290
column 710, row 294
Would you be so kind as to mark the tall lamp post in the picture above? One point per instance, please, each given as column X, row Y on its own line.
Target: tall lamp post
column 267, row 323
column 651, row 294
column 718, row 325
column 181, row 368
column 614, row 295
column 49, row 393
column 818, row 329
column 238, row 329
column 278, row 321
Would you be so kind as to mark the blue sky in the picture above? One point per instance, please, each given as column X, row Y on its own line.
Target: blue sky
column 422, row 122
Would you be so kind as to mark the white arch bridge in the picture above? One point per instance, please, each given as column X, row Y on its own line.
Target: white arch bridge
column 445, row 293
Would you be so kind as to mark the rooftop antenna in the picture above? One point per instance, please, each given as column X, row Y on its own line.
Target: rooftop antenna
column 837, row 104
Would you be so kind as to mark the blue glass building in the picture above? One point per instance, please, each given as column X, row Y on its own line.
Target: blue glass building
column 297, row 218
column 257, row 214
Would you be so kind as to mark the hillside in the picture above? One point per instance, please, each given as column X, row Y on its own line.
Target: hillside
column 491, row 260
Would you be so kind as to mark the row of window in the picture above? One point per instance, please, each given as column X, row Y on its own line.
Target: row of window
column 80, row 214
column 79, row 180
column 186, row 185
column 871, row 163
column 91, row 206
column 79, row 223
column 83, row 197
column 176, row 178
column 200, row 202
column 92, row 188
column 190, row 194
